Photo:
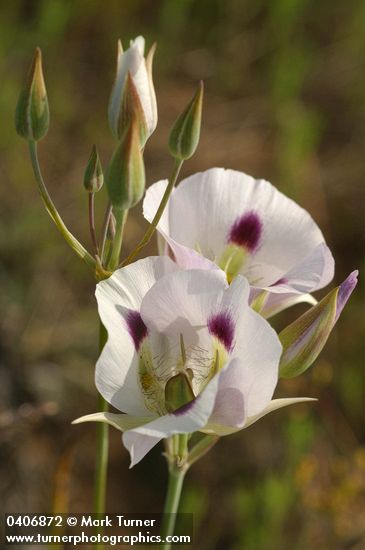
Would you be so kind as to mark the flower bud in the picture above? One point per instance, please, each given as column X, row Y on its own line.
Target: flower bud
column 93, row 177
column 178, row 392
column 185, row 134
column 131, row 108
column 305, row 338
column 125, row 178
column 32, row 112
column 139, row 68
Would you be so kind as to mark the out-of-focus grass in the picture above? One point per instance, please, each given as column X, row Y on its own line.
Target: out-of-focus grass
column 285, row 97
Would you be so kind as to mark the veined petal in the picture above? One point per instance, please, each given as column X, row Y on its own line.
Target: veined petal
column 119, row 301
column 187, row 419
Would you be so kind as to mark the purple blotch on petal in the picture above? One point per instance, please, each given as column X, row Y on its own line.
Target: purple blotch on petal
column 246, row 231
column 221, row 326
column 136, row 327
column 345, row 291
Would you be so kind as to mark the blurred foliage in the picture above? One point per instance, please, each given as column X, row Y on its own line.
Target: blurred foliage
column 285, row 100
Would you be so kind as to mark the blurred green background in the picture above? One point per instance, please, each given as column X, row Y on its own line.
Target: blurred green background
column 285, row 100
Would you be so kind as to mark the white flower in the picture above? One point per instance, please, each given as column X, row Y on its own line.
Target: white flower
column 189, row 327
column 140, row 69
column 245, row 226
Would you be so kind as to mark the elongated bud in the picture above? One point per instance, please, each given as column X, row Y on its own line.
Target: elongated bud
column 123, row 98
column 131, row 108
column 32, row 112
column 178, row 392
column 93, row 177
column 126, row 175
column 185, row 134
column 305, row 338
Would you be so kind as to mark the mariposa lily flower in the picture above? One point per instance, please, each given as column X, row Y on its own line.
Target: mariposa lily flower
column 185, row 352
column 245, row 226
column 133, row 62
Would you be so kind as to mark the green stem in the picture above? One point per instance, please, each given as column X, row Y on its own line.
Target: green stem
column 102, row 436
column 52, row 211
column 175, row 484
column 182, row 446
column 92, row 223
column 150, row 231
column 104, row 231
column 120, row 219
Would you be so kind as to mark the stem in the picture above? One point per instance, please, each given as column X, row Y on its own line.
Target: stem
column 104, row 231
column 102, row 436
column 92, row 223
column 120, row 218
column 150, row 231
column 52, row 211
column 175, row 484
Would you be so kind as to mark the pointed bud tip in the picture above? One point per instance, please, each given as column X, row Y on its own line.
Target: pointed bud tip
column 32, row 112
column 93, row 176
column 185, row 134
column 345, row 291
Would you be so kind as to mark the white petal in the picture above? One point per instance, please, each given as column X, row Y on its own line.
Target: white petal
column 132, row 61
column 188, row 419
column 277, row 404
column 116, row 369
column 138, row 445
column 313, row 273
column 182, row 301
column 128, row 61
column 274, row 303
column 151, row 203
column 186, row 258
column 204, row 207
column 235, row 382
column 138, row 43
column 256, row 345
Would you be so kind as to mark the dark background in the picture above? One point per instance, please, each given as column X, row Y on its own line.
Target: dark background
column 285, row 100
